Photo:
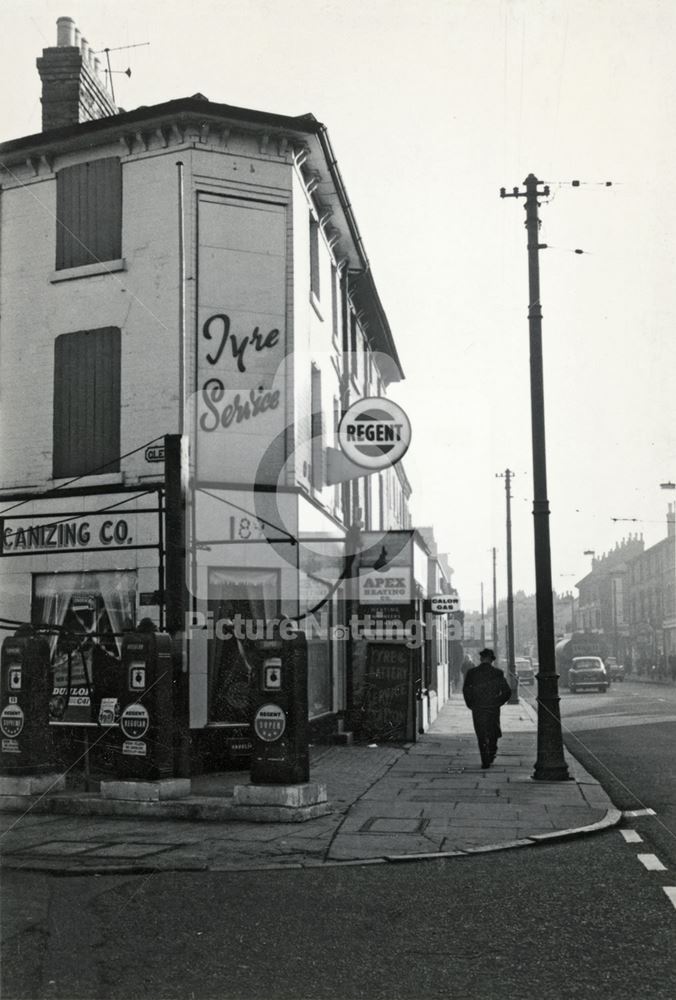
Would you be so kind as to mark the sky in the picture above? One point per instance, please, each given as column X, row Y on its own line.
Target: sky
column 432, row 106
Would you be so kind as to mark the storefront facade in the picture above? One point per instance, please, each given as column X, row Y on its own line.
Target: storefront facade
column 187, row 269
column 240, row 322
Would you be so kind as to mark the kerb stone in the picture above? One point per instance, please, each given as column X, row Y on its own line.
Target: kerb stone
column 31, row 784
column 280, row 796
column 146, row 791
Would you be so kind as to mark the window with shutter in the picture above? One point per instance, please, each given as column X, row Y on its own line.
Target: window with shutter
column 314, row 257
column 89, row 213
column 87, row 402
column 317, row 428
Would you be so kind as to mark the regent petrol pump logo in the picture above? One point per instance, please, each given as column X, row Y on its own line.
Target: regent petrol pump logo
column 374, row 433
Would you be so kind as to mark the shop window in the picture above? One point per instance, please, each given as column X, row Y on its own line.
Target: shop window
column 250, row 597
column 89, row 610
column 87, row 403
column 89, row 213
column 319, row 677
column 319, row 566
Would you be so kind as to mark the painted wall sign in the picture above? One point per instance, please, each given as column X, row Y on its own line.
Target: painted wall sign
column 51, row 533
column 241, row 347
column 374, row 433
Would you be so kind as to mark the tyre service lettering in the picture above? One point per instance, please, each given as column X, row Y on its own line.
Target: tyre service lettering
column 236, row 411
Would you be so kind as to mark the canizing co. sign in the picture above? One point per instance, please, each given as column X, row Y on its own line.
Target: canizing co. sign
column 374, row 433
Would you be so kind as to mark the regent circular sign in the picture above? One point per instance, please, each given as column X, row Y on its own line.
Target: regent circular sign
column 11, row 720
column 374, row 433
column 269, row 723
column 135, row 721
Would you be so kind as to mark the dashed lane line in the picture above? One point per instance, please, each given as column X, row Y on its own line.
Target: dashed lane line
column 632, row 813
column 651, row 862
column 632, row 836
column 671, row 893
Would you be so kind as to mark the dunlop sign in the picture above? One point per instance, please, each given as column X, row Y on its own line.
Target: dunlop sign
column 374, row 433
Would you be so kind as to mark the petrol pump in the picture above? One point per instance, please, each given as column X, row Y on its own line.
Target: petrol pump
column 279, row 704
column 146, row 719
column 25, row 690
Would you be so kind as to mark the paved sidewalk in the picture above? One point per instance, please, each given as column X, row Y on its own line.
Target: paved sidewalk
column 389, row 803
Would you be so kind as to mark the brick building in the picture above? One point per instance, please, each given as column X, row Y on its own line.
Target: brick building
column 189, row 269
column 630, row 596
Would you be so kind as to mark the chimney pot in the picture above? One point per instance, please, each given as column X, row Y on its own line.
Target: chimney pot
column 65, row 31
column 72, row 91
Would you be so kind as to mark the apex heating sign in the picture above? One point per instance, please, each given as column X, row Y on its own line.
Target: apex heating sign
column 374, row 433
column 391, row 587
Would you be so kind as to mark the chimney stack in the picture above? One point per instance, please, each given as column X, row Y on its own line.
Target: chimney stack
column 671, row 520
column 72, row 89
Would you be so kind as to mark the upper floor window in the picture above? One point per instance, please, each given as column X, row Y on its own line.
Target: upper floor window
column 87, row 402
column 314, row 257
column 89, row 213
column 317, row 428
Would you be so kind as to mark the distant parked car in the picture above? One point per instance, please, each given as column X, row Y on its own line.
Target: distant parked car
column 524, row 670
column 587, row 672
column 615, row 669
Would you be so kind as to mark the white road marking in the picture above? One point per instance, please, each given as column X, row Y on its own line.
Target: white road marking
column 631, row 813
column 651, row 862
column 632, row 836
column 671, row 893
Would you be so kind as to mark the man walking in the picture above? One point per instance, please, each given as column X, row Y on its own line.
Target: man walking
column 485, row 690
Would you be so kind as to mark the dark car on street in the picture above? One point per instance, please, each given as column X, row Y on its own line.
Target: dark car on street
column 524, row 670
column 587, row 672
column 615, row 669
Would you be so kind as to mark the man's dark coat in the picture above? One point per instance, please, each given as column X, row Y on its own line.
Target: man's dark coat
column 485, row 690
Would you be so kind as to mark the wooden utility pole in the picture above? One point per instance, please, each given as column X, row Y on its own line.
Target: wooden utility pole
column 511, row 665
column 550, row 764
column 483, row 623
column 496, row 642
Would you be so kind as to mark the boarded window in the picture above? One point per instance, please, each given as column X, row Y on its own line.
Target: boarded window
column 89, row 213
column 87, row 402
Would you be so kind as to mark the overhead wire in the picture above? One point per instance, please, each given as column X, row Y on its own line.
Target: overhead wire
column 56, row 490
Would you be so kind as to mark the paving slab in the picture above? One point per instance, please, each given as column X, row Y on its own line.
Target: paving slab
column 388, row 803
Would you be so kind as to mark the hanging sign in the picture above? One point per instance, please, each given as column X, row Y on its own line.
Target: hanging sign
column 443, row 604
column 374, row 433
